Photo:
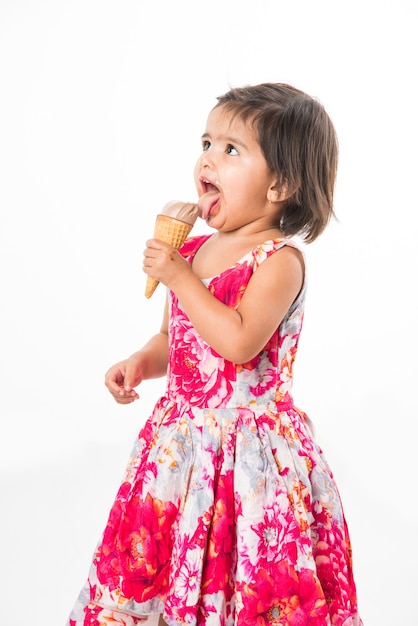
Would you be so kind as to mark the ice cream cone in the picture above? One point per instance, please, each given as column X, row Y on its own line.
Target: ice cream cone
column 170, row 230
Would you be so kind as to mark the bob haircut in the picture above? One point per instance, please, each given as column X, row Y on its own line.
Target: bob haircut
column 300, row 146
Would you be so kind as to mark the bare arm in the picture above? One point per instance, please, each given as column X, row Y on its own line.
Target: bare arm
column 237, row 335
column 148, row 362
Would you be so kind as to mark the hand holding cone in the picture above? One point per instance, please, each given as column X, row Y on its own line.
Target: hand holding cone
column 172, row 226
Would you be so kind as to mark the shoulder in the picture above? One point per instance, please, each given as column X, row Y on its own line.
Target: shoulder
column 280, row 264
column 267, row 249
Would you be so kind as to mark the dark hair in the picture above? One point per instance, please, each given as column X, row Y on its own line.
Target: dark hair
column 300, row 145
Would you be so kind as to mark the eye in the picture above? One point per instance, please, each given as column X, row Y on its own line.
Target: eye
column 230, row 149
column 205, row 145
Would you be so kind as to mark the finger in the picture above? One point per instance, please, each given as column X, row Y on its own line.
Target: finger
column 126, row 399
column 123, row 393
column 150, row 253
column 114, row 379
column 113, row 385
column 156, row 244
column 132, row 379
column 149, row 260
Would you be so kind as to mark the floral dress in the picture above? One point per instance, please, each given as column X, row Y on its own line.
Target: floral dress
column 228, row 513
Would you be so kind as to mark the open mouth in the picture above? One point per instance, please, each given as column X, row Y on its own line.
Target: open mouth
column 209, row 200
column 208, row 186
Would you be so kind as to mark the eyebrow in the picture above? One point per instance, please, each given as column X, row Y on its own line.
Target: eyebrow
column 228, row 139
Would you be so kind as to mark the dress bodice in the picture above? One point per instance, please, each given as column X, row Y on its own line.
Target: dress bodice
column 199, row 376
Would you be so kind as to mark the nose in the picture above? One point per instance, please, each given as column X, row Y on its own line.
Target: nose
column 206, row 160
column 205, row 165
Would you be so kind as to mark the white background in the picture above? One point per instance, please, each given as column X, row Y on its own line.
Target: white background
column 101, row 108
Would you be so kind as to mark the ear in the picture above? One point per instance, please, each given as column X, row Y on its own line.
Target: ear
column 278, row 192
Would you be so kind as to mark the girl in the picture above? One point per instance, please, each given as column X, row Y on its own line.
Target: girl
column 228, row 513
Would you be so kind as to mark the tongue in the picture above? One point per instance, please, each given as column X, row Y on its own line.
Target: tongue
column 207, row 202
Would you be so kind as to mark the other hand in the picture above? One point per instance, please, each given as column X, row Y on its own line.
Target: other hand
column 121, row 379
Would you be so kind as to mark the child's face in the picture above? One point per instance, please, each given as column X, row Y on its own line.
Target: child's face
column 232, row 178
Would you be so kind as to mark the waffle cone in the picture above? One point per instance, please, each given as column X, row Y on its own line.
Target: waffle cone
column 172, row 231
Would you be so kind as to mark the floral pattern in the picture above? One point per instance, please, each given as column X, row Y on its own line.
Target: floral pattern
column 228, row 513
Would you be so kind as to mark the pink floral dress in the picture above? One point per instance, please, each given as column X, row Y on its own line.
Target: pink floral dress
column 228, row 513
